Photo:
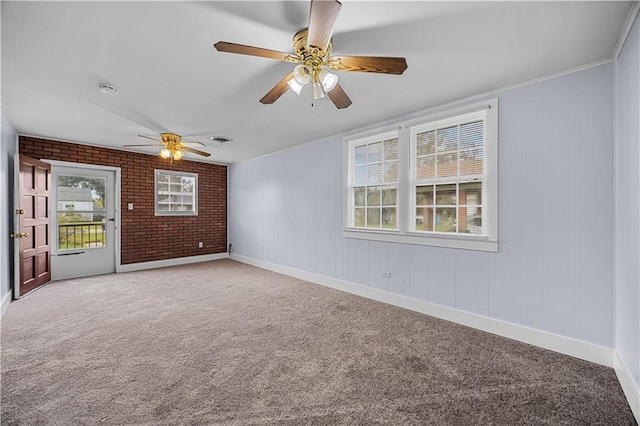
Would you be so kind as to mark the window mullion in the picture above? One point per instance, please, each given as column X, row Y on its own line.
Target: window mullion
column 406, row 181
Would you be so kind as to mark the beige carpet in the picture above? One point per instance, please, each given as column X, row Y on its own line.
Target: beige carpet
column 226, row 343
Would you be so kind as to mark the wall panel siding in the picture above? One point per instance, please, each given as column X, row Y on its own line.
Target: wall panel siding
column 7, row 152
column 559, row 211
column 511, row 194
column 532, row 205
column 628, row 205
column 422, row 275
column 594, row 196
column 540, row 277
column 466, row 279
column 484, row 280
column 144, row 236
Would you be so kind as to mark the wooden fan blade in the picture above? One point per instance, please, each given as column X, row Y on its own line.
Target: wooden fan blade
column 277, row 90
column 379, row 64
column 225, row 46
column 192, row 143
column 196, row 151
column 339, row 97
column 322, row 18
column 150, row 137
column 144, row 145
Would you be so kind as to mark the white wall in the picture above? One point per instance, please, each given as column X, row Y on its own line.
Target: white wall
column 627, row 210
column 7, row 151
column 554, row 270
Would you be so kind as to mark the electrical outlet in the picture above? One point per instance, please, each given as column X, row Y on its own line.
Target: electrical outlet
column 386, row 274
column 200, row 244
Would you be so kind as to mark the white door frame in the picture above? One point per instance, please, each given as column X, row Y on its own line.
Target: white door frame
column 118, row 172
column 16, row 220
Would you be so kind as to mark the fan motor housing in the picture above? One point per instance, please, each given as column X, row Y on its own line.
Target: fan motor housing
column 171, row 138
column 314, row 56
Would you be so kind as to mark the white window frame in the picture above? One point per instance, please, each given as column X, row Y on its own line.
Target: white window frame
column 380, row 137
column 193, row 211
column 406, row 183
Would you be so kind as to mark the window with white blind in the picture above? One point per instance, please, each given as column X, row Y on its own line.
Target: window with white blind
column 448, row 183
column 431, row 182
column 176, row 193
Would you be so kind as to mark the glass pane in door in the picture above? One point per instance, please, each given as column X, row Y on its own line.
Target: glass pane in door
column 81, row 212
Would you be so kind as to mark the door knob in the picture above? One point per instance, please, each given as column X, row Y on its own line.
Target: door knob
column 20, row 235
column 20, row 211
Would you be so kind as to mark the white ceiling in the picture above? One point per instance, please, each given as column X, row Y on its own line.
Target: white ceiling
column 169, row 77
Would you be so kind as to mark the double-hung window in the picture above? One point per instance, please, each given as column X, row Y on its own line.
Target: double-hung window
column 432, row 182
column 374, row 190
column 448, row 175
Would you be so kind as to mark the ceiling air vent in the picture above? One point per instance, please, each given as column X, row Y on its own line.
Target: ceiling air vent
column 221, row 139
column 107, row 89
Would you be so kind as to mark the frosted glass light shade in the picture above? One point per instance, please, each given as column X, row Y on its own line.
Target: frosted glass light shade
column 328, row 80
column 302, row 74
column 295, row 86
column 165, row 153
column 178, row 155
column 318, row 91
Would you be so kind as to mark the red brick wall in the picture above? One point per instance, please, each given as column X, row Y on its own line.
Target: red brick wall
column 145, row 236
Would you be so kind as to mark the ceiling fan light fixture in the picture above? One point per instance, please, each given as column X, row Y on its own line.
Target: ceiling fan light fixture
column 318, row 91
column 177, row 155
column 302, row 74
column 174, row 146
column 328, row 80
column 295, row 86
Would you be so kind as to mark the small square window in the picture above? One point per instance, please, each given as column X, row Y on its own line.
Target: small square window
column 176, row 193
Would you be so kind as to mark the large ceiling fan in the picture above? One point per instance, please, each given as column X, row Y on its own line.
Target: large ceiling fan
column 312, row 47
column 173, row 147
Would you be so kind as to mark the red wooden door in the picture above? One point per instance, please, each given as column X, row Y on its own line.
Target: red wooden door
column 34, row 254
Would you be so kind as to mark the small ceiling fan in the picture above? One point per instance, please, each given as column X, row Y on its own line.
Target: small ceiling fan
column 312, row 47
column 173, row 146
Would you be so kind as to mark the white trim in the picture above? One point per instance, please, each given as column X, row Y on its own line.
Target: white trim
column 79, row 165
column 445, row 241
column 169, row 262
column 8, row 117
column 5, row 304
column 16, row 222
column 626, row 28
column 447, row 107
column 227, row 211
column 349, row 176
column 564, row 345
column 630, row 390
column 118, row 190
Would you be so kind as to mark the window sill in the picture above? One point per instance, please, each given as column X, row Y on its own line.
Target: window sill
column 457, row 242
column 177, row 214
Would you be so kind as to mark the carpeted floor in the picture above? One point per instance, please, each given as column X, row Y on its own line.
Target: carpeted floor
column 226, row 343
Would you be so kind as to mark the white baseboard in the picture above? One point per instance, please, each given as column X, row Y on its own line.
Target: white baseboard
column 5, row 303
column 131, row 267
column 565, row 345
column 630, row 389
